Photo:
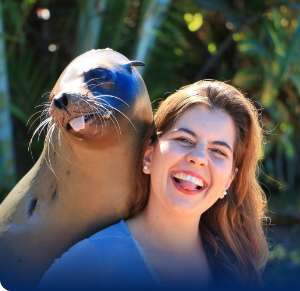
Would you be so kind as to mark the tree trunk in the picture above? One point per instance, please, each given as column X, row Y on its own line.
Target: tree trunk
column 152, row 19
column 7, row 161
column 89, row 24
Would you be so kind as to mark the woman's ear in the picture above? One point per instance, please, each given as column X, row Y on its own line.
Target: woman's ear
column 147, row 159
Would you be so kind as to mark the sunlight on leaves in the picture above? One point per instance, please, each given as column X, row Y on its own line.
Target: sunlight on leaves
column 193, row 21
column 30, row 2
column 295, row 257
column 212, row 48
column 278, row 252
column 178, row 52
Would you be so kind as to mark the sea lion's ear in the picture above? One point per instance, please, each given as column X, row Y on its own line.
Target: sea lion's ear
column 130, row 64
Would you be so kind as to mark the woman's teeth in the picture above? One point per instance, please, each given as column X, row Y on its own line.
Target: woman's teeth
column 189, row 178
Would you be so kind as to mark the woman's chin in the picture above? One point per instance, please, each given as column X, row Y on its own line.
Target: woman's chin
column 184, row 205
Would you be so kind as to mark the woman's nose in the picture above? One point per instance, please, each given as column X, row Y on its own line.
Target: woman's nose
column 198, row 157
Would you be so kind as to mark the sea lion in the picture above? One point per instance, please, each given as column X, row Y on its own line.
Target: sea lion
column 86, row 177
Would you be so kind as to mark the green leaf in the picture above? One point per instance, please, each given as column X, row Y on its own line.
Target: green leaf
column 296, row 81
column 246, row 77
column 288, row 146
column 18, row 113
column 278, row 252
column 253, row 48
column 224, row 8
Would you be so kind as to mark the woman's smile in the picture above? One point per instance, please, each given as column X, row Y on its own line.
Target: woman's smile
column 188, row 182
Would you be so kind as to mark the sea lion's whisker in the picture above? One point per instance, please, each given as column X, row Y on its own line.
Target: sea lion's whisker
column 34, row 120
column 124, row 115
column 100, row 85
column 80, row 107
column 38, row 130
column 49, row 133
column 59, row 143
column 112, row 96
column 49, row 142
column 91, row 108
column 102, row 120
column 39, row 111
column 46, row 103
column 92, row 79
column 113, row 117
column 44, row 124
column 96, row 105
column 88, row 103
column 96, row 80
column 99, row 110
column 115, row 123
column 43, row 115
column 47, row 93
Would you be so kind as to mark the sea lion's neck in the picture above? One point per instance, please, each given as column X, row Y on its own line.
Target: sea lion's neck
column 83, row 169
column 83, row 157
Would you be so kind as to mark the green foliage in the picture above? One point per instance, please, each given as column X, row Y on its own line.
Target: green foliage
column 7, row 161
column 273, row 51
column 253, row 44
column 283, row 266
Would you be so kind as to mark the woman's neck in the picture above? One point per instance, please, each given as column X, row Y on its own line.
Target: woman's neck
column 165, row 229
column 171, row 243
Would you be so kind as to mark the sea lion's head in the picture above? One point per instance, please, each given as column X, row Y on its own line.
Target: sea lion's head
column 98, row 90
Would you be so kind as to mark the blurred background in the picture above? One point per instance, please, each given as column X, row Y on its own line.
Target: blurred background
column 254, row 45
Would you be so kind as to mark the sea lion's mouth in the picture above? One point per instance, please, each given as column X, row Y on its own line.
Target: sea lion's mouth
column 78, row 123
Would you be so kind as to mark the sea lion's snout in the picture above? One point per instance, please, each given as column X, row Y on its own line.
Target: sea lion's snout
column 61, row 102
column 71, row 111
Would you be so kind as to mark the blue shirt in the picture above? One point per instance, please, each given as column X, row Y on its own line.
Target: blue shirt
column 111, row 258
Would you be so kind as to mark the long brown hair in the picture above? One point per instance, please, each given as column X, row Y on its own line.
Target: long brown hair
column 233, row 226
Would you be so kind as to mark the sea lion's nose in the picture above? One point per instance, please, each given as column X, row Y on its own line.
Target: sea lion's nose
column 61, row 102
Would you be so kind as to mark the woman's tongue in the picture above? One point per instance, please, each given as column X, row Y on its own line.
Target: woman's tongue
column 186, row 185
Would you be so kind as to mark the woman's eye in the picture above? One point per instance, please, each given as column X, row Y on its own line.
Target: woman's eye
column 184, row 141
column 219, row 152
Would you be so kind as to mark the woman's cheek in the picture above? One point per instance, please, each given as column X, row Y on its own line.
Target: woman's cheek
column 164, row 148
column 170, row 148
column 222, row 166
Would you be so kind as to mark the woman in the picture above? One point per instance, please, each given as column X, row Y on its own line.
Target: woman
column 202, row 225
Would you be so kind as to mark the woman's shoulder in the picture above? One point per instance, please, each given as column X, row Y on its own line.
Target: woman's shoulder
column 88, row 259
column 116, row 231
column 103, row 240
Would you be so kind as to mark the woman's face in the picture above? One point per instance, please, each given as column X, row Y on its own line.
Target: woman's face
column 191, row 165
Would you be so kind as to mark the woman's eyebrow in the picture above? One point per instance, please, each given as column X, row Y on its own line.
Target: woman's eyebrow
column 185, row 130
column 222, row 143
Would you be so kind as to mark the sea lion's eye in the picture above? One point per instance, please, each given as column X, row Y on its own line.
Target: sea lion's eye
column 98, row 78
column 97, row 74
